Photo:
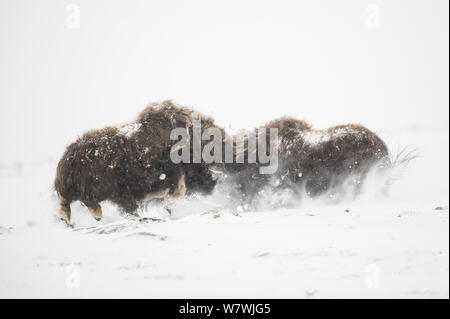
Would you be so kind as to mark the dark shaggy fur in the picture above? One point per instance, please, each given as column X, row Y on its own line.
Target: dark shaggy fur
column 312, row 160
column 125, row 164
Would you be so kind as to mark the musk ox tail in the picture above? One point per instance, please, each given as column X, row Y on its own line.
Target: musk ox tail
column 399, row 161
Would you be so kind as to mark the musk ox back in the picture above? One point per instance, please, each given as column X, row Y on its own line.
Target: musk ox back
column 130, row 164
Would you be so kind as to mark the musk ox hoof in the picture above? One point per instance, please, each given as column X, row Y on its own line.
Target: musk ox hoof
column 96, row 212
column 65, row 222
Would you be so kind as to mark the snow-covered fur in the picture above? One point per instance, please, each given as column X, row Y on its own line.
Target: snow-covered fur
column 312, row 161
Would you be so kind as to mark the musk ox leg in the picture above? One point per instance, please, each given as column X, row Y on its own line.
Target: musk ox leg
column 96, row 211
column 179, row 191
column 64, row 209
column 157, row 195
column 128, row 205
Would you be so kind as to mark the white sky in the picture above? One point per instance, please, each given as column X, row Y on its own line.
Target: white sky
column 244, row 62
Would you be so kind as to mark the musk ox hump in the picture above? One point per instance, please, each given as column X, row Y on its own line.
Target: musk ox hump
column 285, row 123
column 165, row 114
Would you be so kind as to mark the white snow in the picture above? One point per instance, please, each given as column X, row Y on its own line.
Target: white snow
column 129, row 129
column 396, row 247
column 313, row 137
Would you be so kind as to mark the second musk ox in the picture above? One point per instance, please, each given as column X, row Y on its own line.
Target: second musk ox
column 310, row 161
column 130, row 164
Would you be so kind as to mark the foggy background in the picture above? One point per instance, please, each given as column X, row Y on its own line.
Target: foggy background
column 70, row 66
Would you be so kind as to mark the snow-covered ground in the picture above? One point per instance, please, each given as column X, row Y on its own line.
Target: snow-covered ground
column 371, row 247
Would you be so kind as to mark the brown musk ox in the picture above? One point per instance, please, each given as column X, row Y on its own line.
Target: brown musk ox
column 309, row 161
column 130, row 164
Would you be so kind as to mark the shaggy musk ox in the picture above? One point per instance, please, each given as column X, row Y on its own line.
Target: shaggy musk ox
column 130, row 164
column 311, row 161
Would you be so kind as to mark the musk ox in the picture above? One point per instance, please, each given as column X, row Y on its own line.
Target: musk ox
column 130, row 164
column 309, row 161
